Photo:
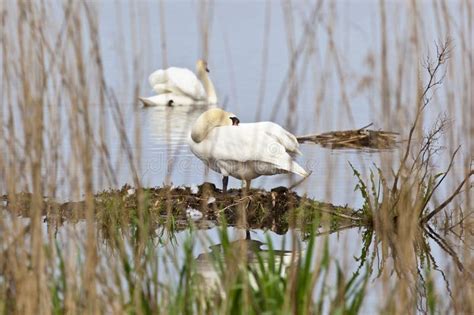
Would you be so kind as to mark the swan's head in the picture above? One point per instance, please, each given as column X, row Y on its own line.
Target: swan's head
column 201, row 66
column 211, row 119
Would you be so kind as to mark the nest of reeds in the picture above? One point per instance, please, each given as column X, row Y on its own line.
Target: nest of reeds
column 354, row 139
column 275, row 210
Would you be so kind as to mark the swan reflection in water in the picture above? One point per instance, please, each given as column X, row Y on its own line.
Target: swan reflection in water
column 251, row 251
column 166, row 128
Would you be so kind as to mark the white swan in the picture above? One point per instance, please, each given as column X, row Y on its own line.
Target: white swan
column 180, row 86
column 243, row 151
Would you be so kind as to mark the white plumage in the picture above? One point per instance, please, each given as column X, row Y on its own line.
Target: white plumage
column 179, row 81
column 180, row 86
column 243, row 151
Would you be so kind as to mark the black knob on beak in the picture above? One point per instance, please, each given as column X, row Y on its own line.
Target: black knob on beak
column 235, row 121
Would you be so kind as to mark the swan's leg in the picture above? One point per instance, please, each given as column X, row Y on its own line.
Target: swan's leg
column 225, row 181
column 247, row 185
column 247, row 235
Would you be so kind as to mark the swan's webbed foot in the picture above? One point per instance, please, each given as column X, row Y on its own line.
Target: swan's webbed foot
column 225, row 182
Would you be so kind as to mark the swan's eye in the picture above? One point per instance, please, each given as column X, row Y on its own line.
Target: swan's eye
column 235, row 121
column 207, row 69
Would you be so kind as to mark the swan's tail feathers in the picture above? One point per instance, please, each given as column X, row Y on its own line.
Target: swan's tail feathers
column 295, row 152
column 297, row 169
column 146, row 101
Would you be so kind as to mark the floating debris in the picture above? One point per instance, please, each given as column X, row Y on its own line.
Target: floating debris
column 354, row 139
column 194, row 189
column 194, row 214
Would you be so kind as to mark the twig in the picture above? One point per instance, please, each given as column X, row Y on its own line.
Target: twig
column 365, row 127
column 344, row 216
column 234, row 204
column 300, row 181
column 447, row 201
column 345, row 227
column 444, row 245
column 442, row 55
column 460, row 222
column 442, row 178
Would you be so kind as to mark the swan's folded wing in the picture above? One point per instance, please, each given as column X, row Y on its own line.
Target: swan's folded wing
column 157, row 77
column 185, row 82
column 160, row 80
column 179, row 81
column 243, row 143
column 162, row 88
column 279, row 134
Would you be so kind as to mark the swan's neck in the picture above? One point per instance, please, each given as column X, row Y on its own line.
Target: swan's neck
column 207, row 121
column 209, row 88
column 199, row 131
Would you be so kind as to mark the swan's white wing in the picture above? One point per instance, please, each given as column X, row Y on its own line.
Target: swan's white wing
column 162, row 88
column 256, row 142
column 278, row 133
column 186, row 82
column 162, row 75
column 157, row 77
column 160, row 81
column 179, row 81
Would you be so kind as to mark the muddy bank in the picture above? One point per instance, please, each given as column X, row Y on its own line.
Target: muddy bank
column 206, row 206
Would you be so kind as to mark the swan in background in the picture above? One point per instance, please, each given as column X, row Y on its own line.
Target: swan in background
column 243, row 151
column 180, row 86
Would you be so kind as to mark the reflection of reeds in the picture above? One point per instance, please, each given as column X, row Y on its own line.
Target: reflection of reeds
column 54, row 133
